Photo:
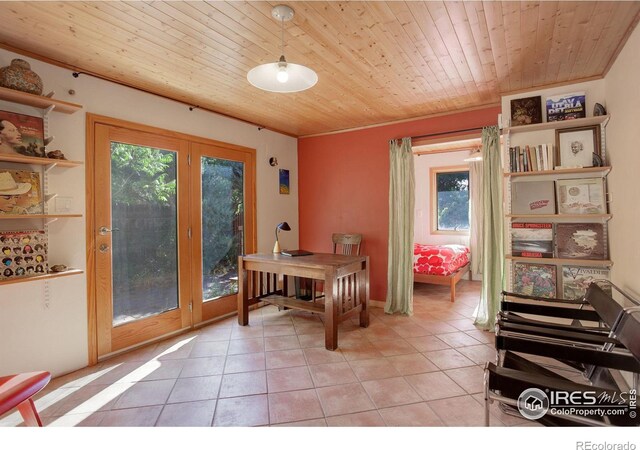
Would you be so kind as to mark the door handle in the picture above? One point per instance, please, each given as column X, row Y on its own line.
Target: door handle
column 104, row 248
column 105, row 230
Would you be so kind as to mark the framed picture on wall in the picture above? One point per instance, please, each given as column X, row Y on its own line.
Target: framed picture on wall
column 576, row 147
column 284, row 181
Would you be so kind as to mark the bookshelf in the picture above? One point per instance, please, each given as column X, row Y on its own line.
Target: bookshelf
column 15, row 253
column 544, row 133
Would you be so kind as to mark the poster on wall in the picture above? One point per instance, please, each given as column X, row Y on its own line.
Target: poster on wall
column 284, row 181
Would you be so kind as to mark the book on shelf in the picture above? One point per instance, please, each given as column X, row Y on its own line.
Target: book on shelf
column 581, row 241
column 532, row 240
column 576, row 280
column 24, row 253
column 533, row 197
column 531, row 158
column 534, row 279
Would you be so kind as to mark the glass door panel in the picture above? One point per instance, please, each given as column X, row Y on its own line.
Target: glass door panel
column 144, row 205
column 142, row 256
column 222, row 225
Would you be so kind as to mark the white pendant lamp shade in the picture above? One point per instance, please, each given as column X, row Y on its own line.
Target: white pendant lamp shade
column 282, row 76
column 266, row 77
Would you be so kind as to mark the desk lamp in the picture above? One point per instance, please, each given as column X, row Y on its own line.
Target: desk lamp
column 281, row 226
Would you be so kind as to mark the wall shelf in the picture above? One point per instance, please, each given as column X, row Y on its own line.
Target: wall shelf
column 39, row 161
column 38, row 101
column 38, row 216
column 564, row 261
column 559, row 125
column 601, row 171
column 46, row 276
column 563, row 217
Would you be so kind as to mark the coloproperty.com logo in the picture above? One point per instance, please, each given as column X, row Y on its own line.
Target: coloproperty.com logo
column 534, row 403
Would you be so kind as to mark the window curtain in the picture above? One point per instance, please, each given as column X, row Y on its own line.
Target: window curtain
column 493, row 230
column 475, row 213
column 401, row 204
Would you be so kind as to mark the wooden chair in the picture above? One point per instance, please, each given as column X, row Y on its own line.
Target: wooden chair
column 16, row 391
column 343, row 244
column 346, row 244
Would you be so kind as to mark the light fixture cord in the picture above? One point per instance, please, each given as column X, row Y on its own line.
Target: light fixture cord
column 282, row 35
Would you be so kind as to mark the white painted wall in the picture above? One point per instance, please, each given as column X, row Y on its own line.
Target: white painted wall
column 422, row 229
column 623, row 140
column 54, row 338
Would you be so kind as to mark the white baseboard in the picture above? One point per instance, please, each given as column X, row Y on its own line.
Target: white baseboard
column 377, row 303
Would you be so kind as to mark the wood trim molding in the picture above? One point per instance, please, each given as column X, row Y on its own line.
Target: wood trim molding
column 111, row 121
column 92, row 313
column 411, row 119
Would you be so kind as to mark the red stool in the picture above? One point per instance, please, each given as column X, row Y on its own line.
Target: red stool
column 17, row 390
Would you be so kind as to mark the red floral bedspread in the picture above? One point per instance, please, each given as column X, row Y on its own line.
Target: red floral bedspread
column 439, row 259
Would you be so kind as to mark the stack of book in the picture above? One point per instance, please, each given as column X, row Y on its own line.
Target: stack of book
column 531, row 158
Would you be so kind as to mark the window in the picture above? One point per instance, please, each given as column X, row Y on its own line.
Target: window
column 450, row 200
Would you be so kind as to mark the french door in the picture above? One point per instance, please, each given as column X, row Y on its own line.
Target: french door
column 170, row 217
column 222, row 230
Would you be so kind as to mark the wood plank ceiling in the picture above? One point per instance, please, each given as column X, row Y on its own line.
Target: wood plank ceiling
column 377, row 61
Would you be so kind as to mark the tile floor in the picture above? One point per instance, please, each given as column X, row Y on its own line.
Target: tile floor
column 424, row 370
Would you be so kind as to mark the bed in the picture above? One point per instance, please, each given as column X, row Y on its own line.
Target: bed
column 441, row 264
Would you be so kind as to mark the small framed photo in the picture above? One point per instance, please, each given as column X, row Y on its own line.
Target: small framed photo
column 284, row 181
column 581, row 196
column 576, row 147
column 21, row 134
column 526, row 111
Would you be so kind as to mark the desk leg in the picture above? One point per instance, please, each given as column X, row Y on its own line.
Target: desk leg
column 364, row 289
column 243, row 294
column 330, row 311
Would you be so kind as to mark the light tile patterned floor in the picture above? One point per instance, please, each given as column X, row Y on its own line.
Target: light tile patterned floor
column 424, row 370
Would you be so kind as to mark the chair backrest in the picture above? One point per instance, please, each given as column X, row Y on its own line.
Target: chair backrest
column 607, row 308
column 346, row 244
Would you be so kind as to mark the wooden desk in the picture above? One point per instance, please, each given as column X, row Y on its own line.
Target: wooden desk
column 265, row 277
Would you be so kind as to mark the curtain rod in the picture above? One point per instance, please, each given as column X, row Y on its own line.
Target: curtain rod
column 448, row 132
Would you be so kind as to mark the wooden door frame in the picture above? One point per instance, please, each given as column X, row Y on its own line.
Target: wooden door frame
column 91, row 121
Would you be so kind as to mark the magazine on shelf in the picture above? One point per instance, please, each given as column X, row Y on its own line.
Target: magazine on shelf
column 566, row 106
column 24, row 253
column 20, row 192
column 538, row 280
column 581, row 196
column 532, row 240
column 533, row 197
column 581, row 241
column 576, row 280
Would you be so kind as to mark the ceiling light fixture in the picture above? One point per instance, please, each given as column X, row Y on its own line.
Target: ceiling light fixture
column 282, row 76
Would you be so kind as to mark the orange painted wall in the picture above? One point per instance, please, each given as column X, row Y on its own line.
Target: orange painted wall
column 344, row 185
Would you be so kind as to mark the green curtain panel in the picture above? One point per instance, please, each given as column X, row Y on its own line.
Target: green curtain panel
column 401, row 211
column 492, row 230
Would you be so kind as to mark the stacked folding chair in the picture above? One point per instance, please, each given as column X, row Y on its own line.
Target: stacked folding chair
column 582, row 355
